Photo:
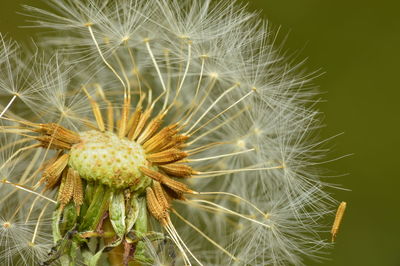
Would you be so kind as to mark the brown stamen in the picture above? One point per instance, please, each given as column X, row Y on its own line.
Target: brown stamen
column 60, row 133
column 155, row 208
column 124, row 119
column 110, row 110
column 178, row 170
column 66, row 193
column 160, row 139
column 176, row 142
column 133, row 122
column 96, row 111
column 160, row 195
column 151, row 129
column 53, row 143
column 142, row 122
column 167, row 156
column 78, row 191
column 165, row 180
column 52, row 172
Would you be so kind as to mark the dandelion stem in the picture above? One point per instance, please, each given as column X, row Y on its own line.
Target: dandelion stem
column 20, row 206
column 121, row 66
column 234, row 196
column 178, row 244
column 8, row 105
column 204, row 235
column 104, row 59
column 185, row 73
column 38, row 223
column 221, row 113
column 110, row 110
column 192, row 104
column 231, row 118
column 200, row 78
column 181, row 241
column 223, row 172
column 231, row 212
column 30, row 166
column 169, row 77
column 31, row 209
column 210, row 107
column 208, row 90
column 155, row 65
column 23, row 182
column 206, row 147
column 220, row 156
column 135, row 71
column 5, row 181
column 14, row 143
column 19, row 151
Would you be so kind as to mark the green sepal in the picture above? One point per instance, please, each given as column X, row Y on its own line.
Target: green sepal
column 93, row 261
column 56, row 224
column 132, row 213
column 86, row 255
column 132, row 237
column 140, row 249
column 141, row 187
column 96, row 210
column 117, row 212
column 61, row 250
column 72, row 254
column 141, row 254
column 89, row 254
column 141, row 221
column 69, row 217
column 90, row 189
column 140, row 230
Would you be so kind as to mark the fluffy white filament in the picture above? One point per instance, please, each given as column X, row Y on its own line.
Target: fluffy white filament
column 213, row 69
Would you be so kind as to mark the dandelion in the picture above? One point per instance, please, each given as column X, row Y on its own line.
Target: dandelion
column 157, row 133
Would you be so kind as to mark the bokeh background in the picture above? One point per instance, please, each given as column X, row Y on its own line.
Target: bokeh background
column 356, row 45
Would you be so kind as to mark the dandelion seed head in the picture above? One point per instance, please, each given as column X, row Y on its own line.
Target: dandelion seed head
column 178, row 128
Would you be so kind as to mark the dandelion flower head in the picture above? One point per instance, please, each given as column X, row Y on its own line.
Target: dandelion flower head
column 158, row 132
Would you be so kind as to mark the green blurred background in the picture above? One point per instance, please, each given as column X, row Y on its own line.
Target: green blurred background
column 356, row 43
